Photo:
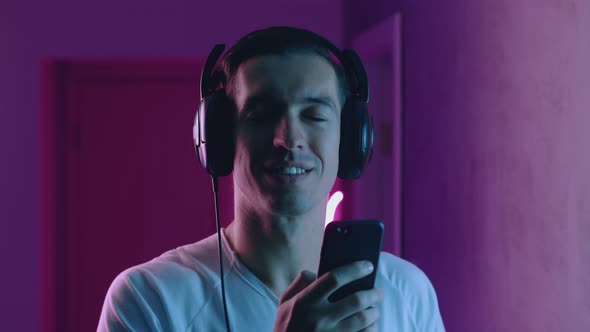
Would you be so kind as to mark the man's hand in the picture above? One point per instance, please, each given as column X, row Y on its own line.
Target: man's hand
column 304, row 306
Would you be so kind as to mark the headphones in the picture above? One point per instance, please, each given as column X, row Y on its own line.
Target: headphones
column 214, row 128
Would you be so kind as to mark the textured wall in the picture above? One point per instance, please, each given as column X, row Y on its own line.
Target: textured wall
column 497, row 157
column 30, row 30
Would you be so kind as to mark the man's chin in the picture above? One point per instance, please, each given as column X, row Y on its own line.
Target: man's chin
column 289, row 204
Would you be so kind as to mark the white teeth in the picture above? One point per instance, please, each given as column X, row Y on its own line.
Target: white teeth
column 291, row 170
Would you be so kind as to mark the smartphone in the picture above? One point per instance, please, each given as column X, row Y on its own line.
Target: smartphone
column 350, row 241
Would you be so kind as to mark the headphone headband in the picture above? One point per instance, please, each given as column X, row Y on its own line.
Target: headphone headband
column 206, row 89
column 348, row 59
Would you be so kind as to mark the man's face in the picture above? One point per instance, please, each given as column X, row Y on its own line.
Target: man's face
column 288, row 132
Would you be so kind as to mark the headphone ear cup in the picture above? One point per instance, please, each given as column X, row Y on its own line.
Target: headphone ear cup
column 214, row 133
column 356, row 138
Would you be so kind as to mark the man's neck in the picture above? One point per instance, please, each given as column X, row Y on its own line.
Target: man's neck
column 277, row 248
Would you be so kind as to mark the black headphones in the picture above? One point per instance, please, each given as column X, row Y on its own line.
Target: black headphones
column 214, row 129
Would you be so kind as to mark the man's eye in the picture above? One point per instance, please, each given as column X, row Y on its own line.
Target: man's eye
column 256, row 116
column 250, row 116
column 253, row 117
column 315, row 115
column 316, row 118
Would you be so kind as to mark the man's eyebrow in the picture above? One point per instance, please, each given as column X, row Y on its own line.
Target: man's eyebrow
column 265, row 97
column 260, row 98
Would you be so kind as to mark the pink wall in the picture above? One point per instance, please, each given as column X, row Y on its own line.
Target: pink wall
column 30, row 30
column 497, row 157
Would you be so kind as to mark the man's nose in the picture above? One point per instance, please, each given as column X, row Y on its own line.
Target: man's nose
column 289, row 134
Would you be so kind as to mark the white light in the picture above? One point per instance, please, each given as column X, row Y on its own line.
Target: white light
column 333, row 202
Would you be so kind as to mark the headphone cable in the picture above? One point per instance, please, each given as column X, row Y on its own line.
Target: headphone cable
column 220, row 253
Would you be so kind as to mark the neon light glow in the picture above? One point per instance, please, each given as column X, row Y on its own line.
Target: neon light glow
column 333, row 203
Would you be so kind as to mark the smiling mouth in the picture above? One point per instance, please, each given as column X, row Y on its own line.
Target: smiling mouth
column 287, row 175
column 290, row 170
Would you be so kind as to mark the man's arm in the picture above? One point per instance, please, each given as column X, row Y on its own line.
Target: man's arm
column 426, row 308
column 130, row 305
column 418, row 292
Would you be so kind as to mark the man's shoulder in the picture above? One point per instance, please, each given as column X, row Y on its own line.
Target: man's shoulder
column 188, row 262
column 403, row 274
column 185, row 275
column 409, row 285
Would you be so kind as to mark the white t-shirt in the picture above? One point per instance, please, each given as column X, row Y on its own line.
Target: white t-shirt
column 181, row 291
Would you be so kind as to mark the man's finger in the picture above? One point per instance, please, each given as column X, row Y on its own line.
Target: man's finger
column 356, row 302
column 361, row 320
column 303, row 280
column 340, row 276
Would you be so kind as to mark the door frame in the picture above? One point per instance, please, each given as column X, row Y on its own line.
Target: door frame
column 384, row 39
column 58, row 131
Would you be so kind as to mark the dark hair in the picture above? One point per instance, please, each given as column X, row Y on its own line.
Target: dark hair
column 279, row 40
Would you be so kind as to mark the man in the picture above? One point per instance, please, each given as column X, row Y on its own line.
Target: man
column 288, row 95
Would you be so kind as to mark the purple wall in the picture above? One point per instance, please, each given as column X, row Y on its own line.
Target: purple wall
column 497, row 157
column 30, row 30
column 497, row 139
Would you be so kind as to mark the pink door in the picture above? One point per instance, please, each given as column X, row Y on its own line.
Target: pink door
column 121, row 181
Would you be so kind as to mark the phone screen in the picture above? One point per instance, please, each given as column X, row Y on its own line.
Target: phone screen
column 349, row 241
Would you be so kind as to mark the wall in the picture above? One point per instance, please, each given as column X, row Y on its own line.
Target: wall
column 497, row 157
column 31, row 30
